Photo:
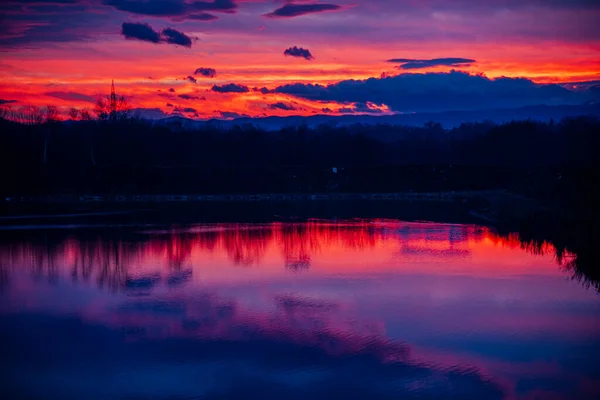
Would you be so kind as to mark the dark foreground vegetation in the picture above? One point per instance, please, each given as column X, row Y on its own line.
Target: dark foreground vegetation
column 138, row 157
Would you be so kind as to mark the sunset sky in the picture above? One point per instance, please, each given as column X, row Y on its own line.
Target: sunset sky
column 226, row 58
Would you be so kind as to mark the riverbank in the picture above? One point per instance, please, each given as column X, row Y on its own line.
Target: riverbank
column 177, row 198
column 478, row 207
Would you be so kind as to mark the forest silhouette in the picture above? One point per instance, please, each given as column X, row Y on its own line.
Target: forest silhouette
column 134, row 156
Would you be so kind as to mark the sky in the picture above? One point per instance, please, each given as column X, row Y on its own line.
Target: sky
column 230, row 58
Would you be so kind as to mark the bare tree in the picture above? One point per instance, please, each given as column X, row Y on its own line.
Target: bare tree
column 31, row 115
column 113, row 107
column 101, row 109
column 5, row 112
column 123, row 109
column 74, row 113
column 51, row 114
column 85, row 115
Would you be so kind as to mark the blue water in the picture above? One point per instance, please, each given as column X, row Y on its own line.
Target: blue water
column 360, row 310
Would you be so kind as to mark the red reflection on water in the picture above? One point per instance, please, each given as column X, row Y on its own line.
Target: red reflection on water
column 280, row 280
column 321, row 247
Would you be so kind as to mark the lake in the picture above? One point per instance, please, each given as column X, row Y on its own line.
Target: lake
column 357, row 309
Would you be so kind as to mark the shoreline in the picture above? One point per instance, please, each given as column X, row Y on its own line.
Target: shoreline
column 275, row 197
column 487, row 207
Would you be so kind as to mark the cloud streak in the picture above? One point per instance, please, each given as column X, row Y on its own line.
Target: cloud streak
column 190, row 97
column 291, row 10
column 175, row 9
column 409, row 63
column 72, row 96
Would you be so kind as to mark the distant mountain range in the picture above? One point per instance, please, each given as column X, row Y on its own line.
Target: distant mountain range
column 448, row 119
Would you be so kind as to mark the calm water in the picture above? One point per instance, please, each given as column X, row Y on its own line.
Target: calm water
column 364, row 310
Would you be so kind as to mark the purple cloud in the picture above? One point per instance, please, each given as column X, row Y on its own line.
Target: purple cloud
column 281, row 106
column 206, row 72
column 190, row 97
column 72, row 96
column 174, row 8
column 173, row 36
column 185, row 110
column 409, row 63
column 263, row 90
column 231, row 114
column 144, row 32
column 230, row 88
column 432, row 92
column 298, row 52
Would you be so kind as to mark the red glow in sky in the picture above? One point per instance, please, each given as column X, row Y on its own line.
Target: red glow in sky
column 66, row 52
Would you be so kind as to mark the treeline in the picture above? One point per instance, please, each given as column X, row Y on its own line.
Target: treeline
column 136, row 156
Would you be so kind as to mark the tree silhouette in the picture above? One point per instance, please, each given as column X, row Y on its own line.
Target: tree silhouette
column 51, row 114
column 73, row 113
column 85, row 115
column 113, row 107
column 31, row 115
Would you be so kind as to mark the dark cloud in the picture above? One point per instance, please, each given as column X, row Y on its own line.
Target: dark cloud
column 191, row 79
column 165, row 95
column 207, row 72
column 139, row 31
column 158, row 8
column 144, row 32
column 173, row 36
column 33, row 23
column 281, row 106
column 185, row 110
column 263, row 90
column 230, row 88
column 7, row 101
column 169, row 105
column 171, row 90
column 190, row 97
column 298, row 52
column 231, row 114
column 408, row 63
column 174, row 8
column 294, row 10
column 71, row 96
column 326, row 110
column 439, row 91
column 44, row 2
